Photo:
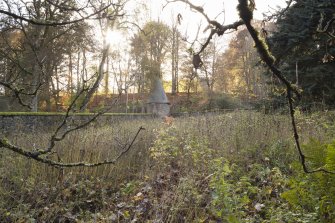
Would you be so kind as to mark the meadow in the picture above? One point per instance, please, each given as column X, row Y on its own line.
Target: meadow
column 240, row 166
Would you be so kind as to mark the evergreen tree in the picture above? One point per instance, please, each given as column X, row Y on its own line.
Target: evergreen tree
column 303, row 52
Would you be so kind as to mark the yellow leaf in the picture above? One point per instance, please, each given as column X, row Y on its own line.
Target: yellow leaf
column 139, row 196
column 126, row 214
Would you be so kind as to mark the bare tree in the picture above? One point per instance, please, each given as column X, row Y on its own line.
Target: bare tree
column 27, row 19
column 175, row 50
column 42, row 26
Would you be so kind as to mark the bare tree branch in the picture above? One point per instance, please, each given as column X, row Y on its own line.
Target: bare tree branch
column 279, row 13
column 63, row 129
column 20, row 92
column 327, row 27
column 63, row 7
column 245, row 8
column 216, row 28
column 220, row 30
column 246, row 13
column 56, row 137
column 28, row 154
column 51, row 23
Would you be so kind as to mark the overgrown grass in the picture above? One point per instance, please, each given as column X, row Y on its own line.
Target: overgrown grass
column 63, row 114
column 236, row 167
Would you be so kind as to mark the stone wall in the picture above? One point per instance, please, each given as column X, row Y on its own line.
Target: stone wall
column 11, row 123
column 3, row 104
column 10, row 103
column 159, row 109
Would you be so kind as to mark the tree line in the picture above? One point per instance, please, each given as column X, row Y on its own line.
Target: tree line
column 49, row 53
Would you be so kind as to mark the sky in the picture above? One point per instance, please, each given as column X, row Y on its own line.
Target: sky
column 212, row 7
column 224, row 11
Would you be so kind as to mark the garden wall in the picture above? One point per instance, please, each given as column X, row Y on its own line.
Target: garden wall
column 18, row 122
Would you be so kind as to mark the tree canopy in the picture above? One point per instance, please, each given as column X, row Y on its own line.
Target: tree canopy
column 305, row 54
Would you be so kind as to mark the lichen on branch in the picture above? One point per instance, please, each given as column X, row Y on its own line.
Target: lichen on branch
column 245, row 8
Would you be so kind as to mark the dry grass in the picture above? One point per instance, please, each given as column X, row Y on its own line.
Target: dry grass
column 241, row 135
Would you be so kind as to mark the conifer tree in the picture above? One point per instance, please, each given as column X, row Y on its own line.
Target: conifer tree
column 306, row 55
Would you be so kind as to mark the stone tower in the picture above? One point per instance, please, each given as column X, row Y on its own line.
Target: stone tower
column 158, row 103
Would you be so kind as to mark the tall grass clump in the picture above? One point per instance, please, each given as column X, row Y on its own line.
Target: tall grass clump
column 240, row 166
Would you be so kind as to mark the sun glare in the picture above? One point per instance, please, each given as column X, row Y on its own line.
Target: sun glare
column 114, row 37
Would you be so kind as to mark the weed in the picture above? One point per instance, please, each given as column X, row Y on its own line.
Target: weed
column 234, row 167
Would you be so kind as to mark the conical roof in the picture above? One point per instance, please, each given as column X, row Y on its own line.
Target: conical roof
column 157, row 94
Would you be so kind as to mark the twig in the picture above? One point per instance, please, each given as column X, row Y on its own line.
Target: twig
column 49, row 23
column 5, row 144
column 280, row 13
column 296, row 138
column 326, row 28
column 217, row 28
column 220, row 30
column 246, row 14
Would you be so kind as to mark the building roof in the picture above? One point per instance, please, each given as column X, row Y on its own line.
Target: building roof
column 157, row 94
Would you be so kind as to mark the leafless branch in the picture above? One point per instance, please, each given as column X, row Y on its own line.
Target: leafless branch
column 327, row 27
column 20, row 92
column 216, row 28
column 246, row 14
column 51, row 23
column 63, row 7
column 279, row 13
column 219, row 32
column 28, row 154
